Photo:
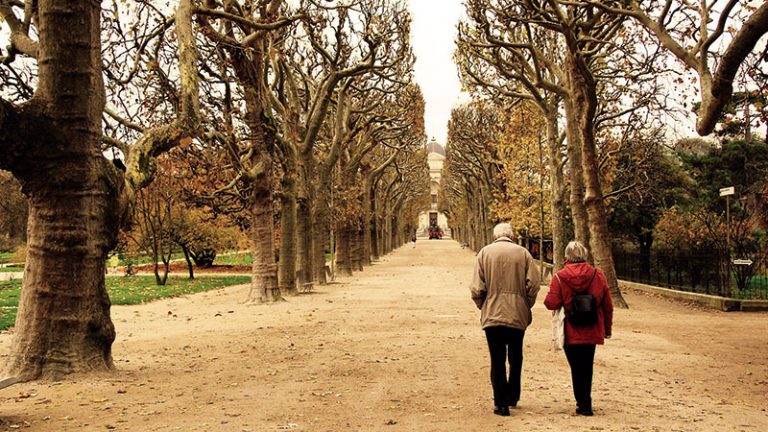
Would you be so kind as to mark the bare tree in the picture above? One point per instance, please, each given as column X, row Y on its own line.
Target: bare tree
column 77, row 198
column 711, row 38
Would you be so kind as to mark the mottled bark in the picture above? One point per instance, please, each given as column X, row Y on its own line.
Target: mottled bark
column 575, row 175
column 343, row 251
column 321, row 232
column 288, row 237
column 367, row 223
column 264, row 287
column 584, row 100
column 557, row 191
column 63, row 322
column 374, row 228
column 77, row 199
column 305, row 243
column 356, row 249
column 249, row 70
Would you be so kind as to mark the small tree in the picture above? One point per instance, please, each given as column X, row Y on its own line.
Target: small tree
column 152, row 231
column 198, row 238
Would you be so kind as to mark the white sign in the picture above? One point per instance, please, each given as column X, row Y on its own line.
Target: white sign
column 727, row 191
column 745, row 262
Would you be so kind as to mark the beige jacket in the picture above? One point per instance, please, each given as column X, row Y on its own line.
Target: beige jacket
column 505, row 285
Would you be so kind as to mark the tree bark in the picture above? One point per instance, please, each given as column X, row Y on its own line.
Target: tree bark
column 367, row 222
column 264, row 287
column 343, row 250
column 305, row 243
column 187, row 258
column 63, row 322
column 375, row 225
column 557, row 193
column 77, row 199
column 356, row 251
column 576, row 176
column 288, row 246
column 584, row 99
column 321, row 231
column 250, row 73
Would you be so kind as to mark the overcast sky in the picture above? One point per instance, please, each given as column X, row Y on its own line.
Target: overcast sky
column 433, row 33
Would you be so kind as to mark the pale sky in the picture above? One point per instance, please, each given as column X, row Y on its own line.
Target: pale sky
column 433, row 32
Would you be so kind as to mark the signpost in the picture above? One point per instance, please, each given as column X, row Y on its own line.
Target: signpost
column 727, row 192
column 745, row 262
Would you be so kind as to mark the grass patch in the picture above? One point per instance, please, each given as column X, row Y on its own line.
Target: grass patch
column 5, row 257
column 17, row 268
column 9, row 293
column 125, row 291
column 140, row 289
column 11, row 269
column 236, row 259
column 7, row 318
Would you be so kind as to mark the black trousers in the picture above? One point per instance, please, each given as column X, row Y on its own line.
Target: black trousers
column 505, row 343
column 581, row 358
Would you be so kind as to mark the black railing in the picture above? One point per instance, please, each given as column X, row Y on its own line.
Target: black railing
column 704, row 274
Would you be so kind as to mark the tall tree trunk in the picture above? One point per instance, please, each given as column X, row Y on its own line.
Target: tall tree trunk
column 288, row 247
column 69, row 236
column 63, row 321
column 387, row 230
column 576, row 174
column 321, row 231
column 264, row 287
column 343, row 250
column 367, row 223
column 356, row 249
column 557, row 194
column 584, row 95
column 375, row 226
column 305, row 243
column 305, row 224
column 250, row 73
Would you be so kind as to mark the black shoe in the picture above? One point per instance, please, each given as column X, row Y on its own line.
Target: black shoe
column 584, row 412
column 501, row 410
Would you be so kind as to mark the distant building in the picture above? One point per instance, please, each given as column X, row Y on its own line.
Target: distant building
column 431, row 216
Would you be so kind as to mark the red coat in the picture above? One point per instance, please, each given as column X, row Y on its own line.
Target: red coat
column 576, row 277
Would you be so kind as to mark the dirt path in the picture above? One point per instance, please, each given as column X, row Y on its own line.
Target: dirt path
column 398, row 348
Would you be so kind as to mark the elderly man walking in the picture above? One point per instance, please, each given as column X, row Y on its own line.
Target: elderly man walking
column 504, row 287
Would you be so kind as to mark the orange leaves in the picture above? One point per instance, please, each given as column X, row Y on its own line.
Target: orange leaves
column 185, row 141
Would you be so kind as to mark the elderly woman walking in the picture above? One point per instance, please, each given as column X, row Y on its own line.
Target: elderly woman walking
column 583, row 291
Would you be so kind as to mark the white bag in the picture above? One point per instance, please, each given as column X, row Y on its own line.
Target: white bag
column 558, row 329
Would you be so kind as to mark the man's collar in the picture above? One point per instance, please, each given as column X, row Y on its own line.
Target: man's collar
column 504, row 238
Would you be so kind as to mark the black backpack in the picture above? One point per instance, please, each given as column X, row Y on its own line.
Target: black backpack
column 583, row 311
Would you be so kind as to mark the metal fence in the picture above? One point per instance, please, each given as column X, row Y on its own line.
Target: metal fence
column 704, row 274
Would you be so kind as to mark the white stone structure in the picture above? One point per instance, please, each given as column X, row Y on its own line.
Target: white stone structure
column 435, row 159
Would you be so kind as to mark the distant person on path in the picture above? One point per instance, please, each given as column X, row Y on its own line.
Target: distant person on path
column 413, row 239
column 504, row 287
column 571, row 288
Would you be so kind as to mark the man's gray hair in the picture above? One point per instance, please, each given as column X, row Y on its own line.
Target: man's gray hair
column 503, row 230
column 576, row 252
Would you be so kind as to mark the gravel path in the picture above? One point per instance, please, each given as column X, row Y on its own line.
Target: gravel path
column 398, row 348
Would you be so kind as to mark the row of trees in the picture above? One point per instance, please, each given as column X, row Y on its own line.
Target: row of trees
column 293, row 116
column 595, row 76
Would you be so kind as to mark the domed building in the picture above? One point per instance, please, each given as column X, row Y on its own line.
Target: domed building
column 432, row 217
